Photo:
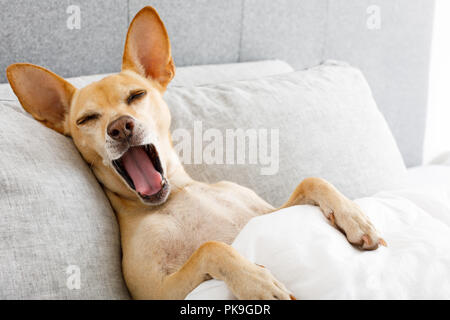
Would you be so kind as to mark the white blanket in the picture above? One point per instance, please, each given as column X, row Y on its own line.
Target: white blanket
column 315, row 261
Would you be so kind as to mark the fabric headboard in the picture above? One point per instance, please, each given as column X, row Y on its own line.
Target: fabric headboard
column 389, row 40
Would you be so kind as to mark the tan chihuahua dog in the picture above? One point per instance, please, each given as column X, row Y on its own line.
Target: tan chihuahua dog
column 175, row 232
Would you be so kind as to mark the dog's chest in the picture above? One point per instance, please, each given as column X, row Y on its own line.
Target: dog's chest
column 197, row 215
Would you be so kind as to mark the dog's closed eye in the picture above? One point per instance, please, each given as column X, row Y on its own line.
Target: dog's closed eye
column 135, row 95
column 88, row 118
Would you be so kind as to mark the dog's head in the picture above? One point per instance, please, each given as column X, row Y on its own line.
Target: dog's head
column 120, row 124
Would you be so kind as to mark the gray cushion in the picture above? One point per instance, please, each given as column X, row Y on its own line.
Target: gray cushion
column 329, row 126
column 218, row 73
column 53, row 215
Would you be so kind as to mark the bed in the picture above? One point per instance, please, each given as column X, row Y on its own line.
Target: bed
column 378, row 89
column 315, row 261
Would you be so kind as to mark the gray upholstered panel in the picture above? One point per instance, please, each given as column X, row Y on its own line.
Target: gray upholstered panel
column 201, row 31
column 37, row 32
column 394, row 57
column 293, row 31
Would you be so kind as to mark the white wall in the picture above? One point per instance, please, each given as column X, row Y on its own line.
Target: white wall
column 437, row 137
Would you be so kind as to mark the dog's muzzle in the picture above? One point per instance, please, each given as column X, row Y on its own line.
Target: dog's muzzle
column 139, row 164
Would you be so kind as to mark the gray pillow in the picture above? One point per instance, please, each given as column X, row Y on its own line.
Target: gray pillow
column 219, row 73
column 56, row 223
column 324, row 120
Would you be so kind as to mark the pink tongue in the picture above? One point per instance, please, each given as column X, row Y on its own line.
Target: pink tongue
column 146, row 179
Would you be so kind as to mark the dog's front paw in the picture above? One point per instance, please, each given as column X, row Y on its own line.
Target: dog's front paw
column 255, row 282
column 352, row 221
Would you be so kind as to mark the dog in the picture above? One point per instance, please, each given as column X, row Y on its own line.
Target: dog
column 175, row 232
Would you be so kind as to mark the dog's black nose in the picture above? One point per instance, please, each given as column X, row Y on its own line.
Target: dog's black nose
column 121, row 129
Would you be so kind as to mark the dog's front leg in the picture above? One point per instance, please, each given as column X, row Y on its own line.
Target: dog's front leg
column 220, row 261
column 343, row 213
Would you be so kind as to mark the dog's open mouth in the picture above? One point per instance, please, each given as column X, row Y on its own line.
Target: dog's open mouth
column 140, row 167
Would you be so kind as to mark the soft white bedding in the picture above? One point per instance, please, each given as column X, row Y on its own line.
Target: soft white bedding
column 315, row 261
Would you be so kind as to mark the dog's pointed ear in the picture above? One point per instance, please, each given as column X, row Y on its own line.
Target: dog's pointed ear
column 147, row 48
column 43, row 94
